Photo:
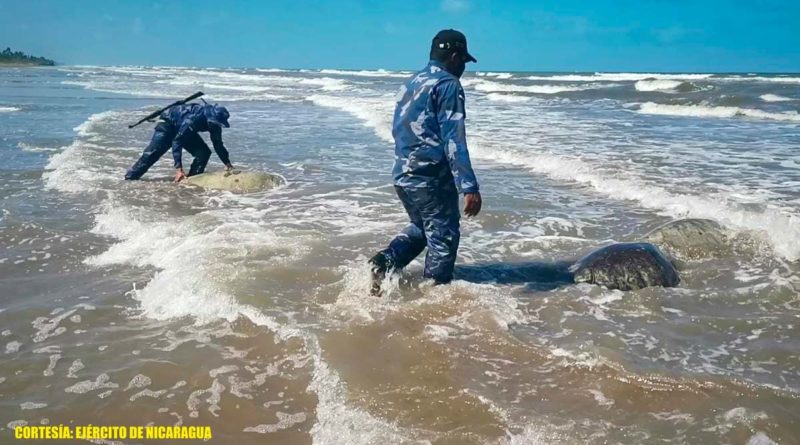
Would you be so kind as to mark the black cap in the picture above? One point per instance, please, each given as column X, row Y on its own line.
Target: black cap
column 452, row 40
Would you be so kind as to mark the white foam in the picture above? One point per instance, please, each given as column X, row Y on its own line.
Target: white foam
column 118, row 89
column 51, row 349
column 716, row 112
column 72, row 169
column 194, row 402
column 285, row 421
column 242, row 389
column 671, row 310
column 15, row 423
column 222, row 370
column 618, row 77
column 366, row 73
column 327, row 83
column 372, row 111
column 674, row 416
column 12, row 347
column 483, row 307
column 606, row 297
column 192, row 291
column 581, row 359
column 499, row 97
column 535, row 435
column 338, row 423
column 490, row 307
column 102, row 381
column 9, row 109
column 438, row 333
column 743, row 415
column 490, row 86
column 139, row 381
column 53, row 361
column 160, row 83
column 657, row 85
column 501, row 76
column 147, row 393
column 32, row 405
column 76, row 366
column 760, row 438
column 233, row 87
column 775, row 98
column 89, row 126
column 776, row 79
column 601, row 398
column 47, row 328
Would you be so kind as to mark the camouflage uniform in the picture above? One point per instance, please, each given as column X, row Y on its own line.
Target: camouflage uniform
column 431, row 167
column 178, row 130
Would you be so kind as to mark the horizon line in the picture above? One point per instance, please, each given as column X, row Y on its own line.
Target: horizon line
column 57, row 65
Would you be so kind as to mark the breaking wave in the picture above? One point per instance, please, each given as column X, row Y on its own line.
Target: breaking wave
column 775, row 98
column 665, row 85
column 491, row 87
column 366, row 73
column 716, row 112
column 619, row 77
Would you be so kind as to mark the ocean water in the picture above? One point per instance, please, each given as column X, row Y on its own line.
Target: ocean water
column 156, row 303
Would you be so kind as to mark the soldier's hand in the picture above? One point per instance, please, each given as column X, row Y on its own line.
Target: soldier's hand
column 472, row 203
column 179, row 175
column 230, row 170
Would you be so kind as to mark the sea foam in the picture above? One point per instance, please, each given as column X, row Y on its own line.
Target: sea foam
column 717, row 112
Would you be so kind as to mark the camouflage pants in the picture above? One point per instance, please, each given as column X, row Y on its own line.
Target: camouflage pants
column 161, row 143
column 433, row 210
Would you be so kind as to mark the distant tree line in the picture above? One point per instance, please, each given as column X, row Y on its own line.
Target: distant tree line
column 14, row 57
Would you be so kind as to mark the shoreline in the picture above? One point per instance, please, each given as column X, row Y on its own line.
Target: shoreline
column 22, row 65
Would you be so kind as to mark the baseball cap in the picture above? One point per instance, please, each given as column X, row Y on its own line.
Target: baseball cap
column 450, row 39
column 218, row 115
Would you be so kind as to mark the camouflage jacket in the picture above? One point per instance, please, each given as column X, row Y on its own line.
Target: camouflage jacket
column 429, row 134
column 192, row 118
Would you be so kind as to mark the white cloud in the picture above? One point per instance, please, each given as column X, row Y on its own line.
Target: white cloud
column 455, row 6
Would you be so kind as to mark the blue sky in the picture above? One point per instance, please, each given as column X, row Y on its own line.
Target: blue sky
column 563, row 35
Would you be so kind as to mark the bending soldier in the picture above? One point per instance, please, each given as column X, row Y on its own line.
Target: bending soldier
column 178, row 129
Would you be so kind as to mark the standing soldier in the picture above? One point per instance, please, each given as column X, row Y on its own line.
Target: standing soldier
column 432, row 164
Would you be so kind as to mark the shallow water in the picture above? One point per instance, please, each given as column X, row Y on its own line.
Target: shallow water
column 251, row 314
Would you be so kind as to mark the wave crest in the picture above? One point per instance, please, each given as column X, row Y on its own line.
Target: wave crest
column 495, row 87
column 716, row 111
column 665, row 85
column 775, row 98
